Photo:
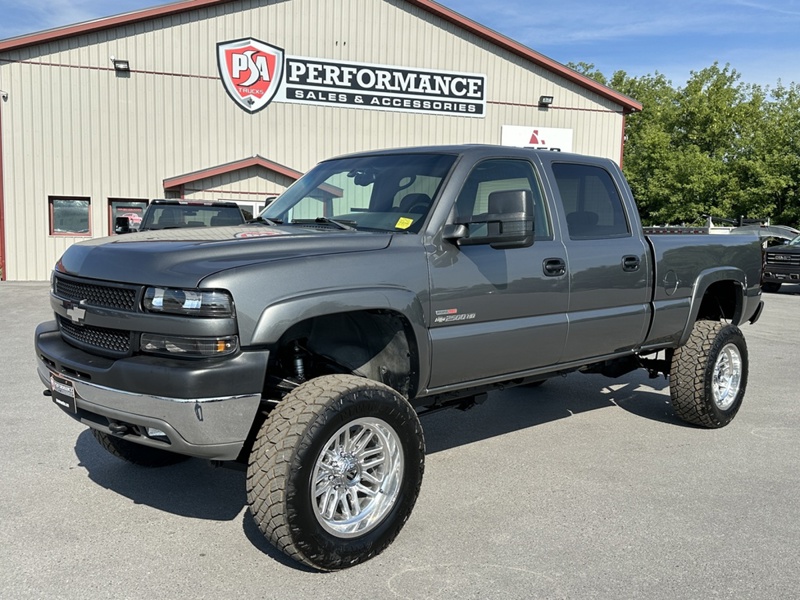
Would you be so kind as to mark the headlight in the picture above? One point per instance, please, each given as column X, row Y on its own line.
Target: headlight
column 196, row 303
column 188, row 347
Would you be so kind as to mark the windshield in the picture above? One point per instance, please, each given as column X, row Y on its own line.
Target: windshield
column 383, row 193
column 795, row 241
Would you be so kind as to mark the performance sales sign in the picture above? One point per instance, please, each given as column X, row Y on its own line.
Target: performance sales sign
column 253, row 81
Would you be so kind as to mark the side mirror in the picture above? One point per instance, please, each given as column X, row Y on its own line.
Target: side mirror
column 508, row 224
column 122, row 225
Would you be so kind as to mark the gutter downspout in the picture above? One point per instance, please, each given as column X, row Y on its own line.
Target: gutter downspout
column 622, row 141
column 3, row 98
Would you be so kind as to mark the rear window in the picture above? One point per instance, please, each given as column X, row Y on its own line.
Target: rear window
column 178, row 216
column 591, row 201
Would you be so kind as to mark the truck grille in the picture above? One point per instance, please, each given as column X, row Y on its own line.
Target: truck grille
column 111, row 342
column 789, row 260
column 107, row 296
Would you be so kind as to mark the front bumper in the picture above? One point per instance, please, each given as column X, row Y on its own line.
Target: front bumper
column 202, row 408
column 779, row 274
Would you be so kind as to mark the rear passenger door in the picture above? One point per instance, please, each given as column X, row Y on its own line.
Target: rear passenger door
column 609, row 271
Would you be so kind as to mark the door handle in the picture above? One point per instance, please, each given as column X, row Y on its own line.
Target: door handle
column 630, row 263
column 554, row 267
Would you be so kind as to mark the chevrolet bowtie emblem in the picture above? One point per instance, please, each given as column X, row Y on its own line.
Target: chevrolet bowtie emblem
column 76, row 314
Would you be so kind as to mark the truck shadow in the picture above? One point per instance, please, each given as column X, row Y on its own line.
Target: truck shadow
column 789, row 289
column 196, row 490
column 191, row 489
column 524, row 407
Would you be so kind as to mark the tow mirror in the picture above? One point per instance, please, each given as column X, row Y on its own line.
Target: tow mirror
column 122, row 225
column 507, row 224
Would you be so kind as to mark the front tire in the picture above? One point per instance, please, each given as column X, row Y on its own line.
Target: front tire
column 144, row 456
column 335, row 471
column 708, row 375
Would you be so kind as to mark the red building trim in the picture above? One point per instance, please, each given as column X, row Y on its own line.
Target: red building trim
column 129, row 18
column 628, row 104
column 180, row 181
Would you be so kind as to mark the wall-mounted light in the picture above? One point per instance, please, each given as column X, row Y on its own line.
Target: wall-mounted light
column 4, row 96
column 545, row 101
column 121, row 65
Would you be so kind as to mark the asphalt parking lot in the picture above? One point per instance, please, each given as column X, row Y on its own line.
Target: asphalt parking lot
column 586, row 487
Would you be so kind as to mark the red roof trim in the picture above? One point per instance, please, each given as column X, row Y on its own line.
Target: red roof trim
column 543, row 61
column 255, row 161
column 136, row 16
column 628, row 104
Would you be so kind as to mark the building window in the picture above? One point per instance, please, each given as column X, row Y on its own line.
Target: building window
column 69, row 216
column 132, row 208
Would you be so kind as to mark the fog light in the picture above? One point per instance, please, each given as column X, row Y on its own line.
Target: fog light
column 157, row 434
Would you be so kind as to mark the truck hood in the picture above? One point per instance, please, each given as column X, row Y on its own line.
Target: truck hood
column 183, row 257
column 794, row 250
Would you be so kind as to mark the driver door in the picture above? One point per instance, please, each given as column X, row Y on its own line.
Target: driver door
column 496, row 312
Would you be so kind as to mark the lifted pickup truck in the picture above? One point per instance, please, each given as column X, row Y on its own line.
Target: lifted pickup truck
column 380, row 286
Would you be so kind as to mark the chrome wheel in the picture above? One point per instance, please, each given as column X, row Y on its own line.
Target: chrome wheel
column 357, row 477
column 727, row 376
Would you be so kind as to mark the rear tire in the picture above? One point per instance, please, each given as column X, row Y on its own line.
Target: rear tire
column 708, row 375
column 144, row 456
column 770, row 287
column 335, row 471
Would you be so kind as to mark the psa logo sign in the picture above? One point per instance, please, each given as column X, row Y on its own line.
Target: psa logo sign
column 251, row 72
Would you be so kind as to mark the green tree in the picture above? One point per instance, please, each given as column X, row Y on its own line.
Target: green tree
column 716, row 146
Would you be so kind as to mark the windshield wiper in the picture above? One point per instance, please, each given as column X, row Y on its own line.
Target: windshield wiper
column 344, row 225
column 271, row 222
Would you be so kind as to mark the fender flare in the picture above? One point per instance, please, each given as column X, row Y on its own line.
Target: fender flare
column 277, row 318
column 704, row 281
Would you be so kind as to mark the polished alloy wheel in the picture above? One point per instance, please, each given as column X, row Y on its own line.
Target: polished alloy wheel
column 727, row 376
column 357, row 477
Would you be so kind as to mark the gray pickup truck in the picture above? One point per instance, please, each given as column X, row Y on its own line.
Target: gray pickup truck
column 380, row 286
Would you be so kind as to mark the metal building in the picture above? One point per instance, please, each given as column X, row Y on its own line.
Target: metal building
column 234, row 99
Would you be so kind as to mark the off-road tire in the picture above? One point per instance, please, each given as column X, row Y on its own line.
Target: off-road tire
column 771, row 287
column 144, row 456
column 708, row 375
column 295, row 441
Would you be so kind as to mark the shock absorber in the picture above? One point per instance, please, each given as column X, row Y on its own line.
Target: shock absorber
column 299, row 367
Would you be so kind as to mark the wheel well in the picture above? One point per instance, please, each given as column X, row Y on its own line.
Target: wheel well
column 376, row 344
column 722, row 300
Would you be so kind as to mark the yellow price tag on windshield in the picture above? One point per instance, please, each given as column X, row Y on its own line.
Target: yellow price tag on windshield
column 403, row 223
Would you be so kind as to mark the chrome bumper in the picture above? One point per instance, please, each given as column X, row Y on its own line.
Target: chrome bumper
column 213, row 428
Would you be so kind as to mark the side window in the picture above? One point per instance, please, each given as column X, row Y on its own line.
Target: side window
column 592, row 204
column 69, row 216
column 501, row 175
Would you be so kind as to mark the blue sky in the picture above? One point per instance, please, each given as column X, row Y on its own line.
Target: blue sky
column 759, row 38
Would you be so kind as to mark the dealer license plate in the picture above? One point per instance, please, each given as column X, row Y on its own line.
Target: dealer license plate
column 63, row 393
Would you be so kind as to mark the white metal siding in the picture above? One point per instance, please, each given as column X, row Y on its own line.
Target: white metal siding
column 73, row 127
